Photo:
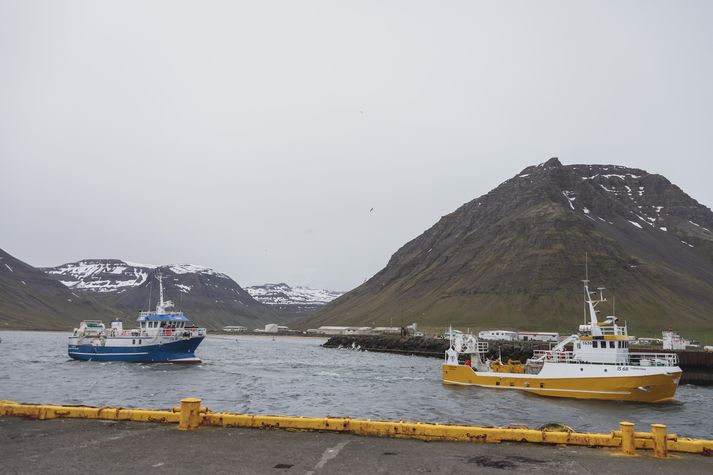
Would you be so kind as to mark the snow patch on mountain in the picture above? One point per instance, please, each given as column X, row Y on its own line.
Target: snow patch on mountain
column 100, row 275
column 111, row 275
column 137, row 264
column 194, row 269
column 635, row 224
column 285, row 295
column 183, row 288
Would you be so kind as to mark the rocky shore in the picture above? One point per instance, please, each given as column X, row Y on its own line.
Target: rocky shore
column 428, row 346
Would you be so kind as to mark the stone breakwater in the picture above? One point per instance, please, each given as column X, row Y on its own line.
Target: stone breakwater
column 430, row 347
column 697, row 366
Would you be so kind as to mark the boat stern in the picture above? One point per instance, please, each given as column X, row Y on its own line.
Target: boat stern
column 458, row 374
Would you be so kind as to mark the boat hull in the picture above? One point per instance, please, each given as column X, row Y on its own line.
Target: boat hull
column 179, row 351
column 658, row 386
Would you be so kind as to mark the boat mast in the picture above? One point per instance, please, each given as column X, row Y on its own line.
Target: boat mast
column 162, row 305
column 586, row 281
column 589, row 303
column 160, row 289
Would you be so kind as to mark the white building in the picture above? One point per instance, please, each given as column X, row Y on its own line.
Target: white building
column 340, row 330
column 235, row 329
column 538, row 336
column 503, row 335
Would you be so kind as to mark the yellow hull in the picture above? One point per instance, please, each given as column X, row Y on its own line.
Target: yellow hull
column 642, row 388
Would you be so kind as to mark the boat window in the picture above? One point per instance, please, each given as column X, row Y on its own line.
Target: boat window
column 611, row 344
column 595, row 344
column 133, row 342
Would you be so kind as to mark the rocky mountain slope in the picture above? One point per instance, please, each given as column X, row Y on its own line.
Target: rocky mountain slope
column 515, row 257
column 29, row 299
column 210, row 298
column 292, row 300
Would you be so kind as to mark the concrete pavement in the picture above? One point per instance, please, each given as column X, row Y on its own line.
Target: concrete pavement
column 90, row 446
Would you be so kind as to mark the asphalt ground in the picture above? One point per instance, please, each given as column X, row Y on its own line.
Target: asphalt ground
column 68, row 446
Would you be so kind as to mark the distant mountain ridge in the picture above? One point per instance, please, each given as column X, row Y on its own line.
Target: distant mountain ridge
column 514, row 257
column 60, row 297
column 114, row 275
column 297, row 300
column 30, row 299
column 209, row 297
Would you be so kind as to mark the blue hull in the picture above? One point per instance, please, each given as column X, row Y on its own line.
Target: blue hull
column 182, row 351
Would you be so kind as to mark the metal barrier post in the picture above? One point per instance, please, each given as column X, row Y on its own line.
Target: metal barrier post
column 660, row 444
column 190, row 413
column 627, row 438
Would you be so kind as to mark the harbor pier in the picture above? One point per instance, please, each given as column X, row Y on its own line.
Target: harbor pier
column 121, row 447
column 191, row 416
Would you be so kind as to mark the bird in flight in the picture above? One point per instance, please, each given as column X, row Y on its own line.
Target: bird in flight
column 372, row 209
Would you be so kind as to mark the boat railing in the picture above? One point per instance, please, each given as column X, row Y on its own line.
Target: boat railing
column 149, row 313
column 554, row 356
column 192, row 331
column 613, row 330
column 472, row 347
column 630, row 359
column 653, row 359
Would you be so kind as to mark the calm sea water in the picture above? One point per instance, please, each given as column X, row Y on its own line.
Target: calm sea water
column 295, row 376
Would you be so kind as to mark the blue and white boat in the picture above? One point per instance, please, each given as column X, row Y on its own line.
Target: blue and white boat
column 162, row 336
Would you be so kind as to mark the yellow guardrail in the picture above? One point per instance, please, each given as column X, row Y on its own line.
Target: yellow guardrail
column 190, row 415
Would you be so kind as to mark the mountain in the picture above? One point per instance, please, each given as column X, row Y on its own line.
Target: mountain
column 515, row 257
column 29, row 299
column 292, row 300
column 210, row 298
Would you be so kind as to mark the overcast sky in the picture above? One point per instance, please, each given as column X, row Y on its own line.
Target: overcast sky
column 255, row 137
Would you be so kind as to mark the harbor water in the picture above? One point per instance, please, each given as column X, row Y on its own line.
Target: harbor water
column 296, row 376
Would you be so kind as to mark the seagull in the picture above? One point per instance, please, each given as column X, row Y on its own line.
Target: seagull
column 372, row 209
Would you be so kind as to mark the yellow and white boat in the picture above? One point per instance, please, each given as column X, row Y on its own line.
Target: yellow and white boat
column 598, row 366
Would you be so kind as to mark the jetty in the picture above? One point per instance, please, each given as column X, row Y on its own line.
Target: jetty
column 86, row 446
column 190, row 438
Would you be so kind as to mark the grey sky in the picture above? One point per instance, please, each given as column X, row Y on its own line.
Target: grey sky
column 255, row 137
